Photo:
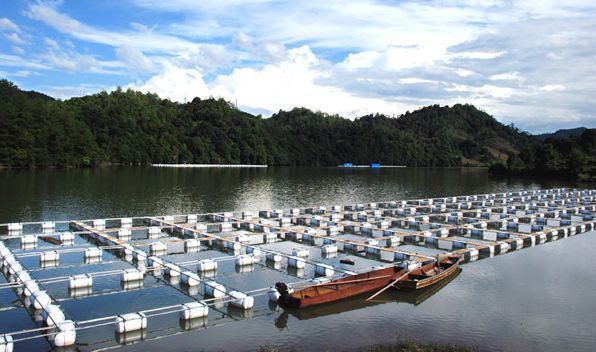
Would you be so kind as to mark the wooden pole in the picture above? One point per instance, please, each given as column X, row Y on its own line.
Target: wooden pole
column 386, row 287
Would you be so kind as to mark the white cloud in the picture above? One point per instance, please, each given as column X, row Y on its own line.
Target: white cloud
column 144, row 40
column 14, row 38
column 507, row 76
column 552, row 88
column 8, row 25
column 18, row 50
column 134, row 58
column 72, row 61
column 176, row 84
column 21, row 62
column 51, row 43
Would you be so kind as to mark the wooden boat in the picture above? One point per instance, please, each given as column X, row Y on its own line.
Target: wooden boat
column 430, row 274
column 359, row 302
column 338, row 289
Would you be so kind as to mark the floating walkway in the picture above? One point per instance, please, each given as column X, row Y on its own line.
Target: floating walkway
column 206, row 266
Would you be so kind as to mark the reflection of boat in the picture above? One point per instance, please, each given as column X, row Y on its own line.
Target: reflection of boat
column 359, row 302
column 338, row 289
column 429, row 274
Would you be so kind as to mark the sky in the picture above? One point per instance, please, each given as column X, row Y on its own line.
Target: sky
column 531, row 63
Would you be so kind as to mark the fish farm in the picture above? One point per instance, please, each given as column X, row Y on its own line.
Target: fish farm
column 203, row 266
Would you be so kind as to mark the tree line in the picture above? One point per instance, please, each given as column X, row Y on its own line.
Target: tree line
column 129, row 127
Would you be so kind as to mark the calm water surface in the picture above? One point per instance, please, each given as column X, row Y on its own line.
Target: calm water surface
column 538, row 299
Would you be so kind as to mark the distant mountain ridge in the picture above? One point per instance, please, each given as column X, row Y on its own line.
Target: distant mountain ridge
column 563, row 133
column 128, row 127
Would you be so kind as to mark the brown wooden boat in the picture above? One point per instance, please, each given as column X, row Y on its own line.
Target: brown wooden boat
column 338, row 289
column 429, row 274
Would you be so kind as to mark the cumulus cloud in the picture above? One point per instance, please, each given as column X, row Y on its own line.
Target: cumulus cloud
column 134, row 58
column 175, row 83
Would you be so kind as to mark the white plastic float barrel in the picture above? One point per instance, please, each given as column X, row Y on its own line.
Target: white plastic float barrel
column 296, row 262
column 93, row 252
column 300, row 252
column 254, row 251
column 168, row 218
column 172, row 270
column 28, row 239
column 273, row 257
column 22, row 276
column 40, row 300
column 130, row 322
column 269, row 236
column 66, row 335
column 247, row 215
column 225, row 227
column 332, row 230
column 517, row 243
column 127, row 249
column 190, row 279
column 194, row 310
column 241, row 300
column 231, row 245
column 410, row 265
column 48, row 225
column 158, row 247
column 124, row 222
column 504, row 247
column 14, row 227
column 245, row 259
column 192, row 245
column 154, row 262
column 141, row 256
column 80, row 281
column 213, row 289
column 242, row 238
column 124, row 234
column 328, row 249
column 30, row 287
column 6, row 343
column 66, row 237
column 273, row 294
column 132, row 275
column 52, row 315
column 153, row 232
column 392, row 241
column 50, row 256
column 99, row 224
column 207, row 265
column 324, row 269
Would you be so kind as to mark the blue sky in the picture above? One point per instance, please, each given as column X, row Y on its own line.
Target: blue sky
column 525, row 62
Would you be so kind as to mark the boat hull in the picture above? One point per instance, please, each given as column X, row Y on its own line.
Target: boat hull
column 340, row 289
column 417, row 281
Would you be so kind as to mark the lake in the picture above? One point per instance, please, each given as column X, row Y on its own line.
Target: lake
column 537, row 299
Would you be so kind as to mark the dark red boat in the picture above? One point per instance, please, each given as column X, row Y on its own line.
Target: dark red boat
column 338, row 289
column 428, row 274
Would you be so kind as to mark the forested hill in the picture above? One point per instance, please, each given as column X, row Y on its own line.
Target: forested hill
column 131, row 127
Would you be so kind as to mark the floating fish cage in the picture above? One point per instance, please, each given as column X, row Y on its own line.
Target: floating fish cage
column 198, row 264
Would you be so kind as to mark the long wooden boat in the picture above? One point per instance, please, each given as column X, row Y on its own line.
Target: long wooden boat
column 429, row 274
column 338, row 289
